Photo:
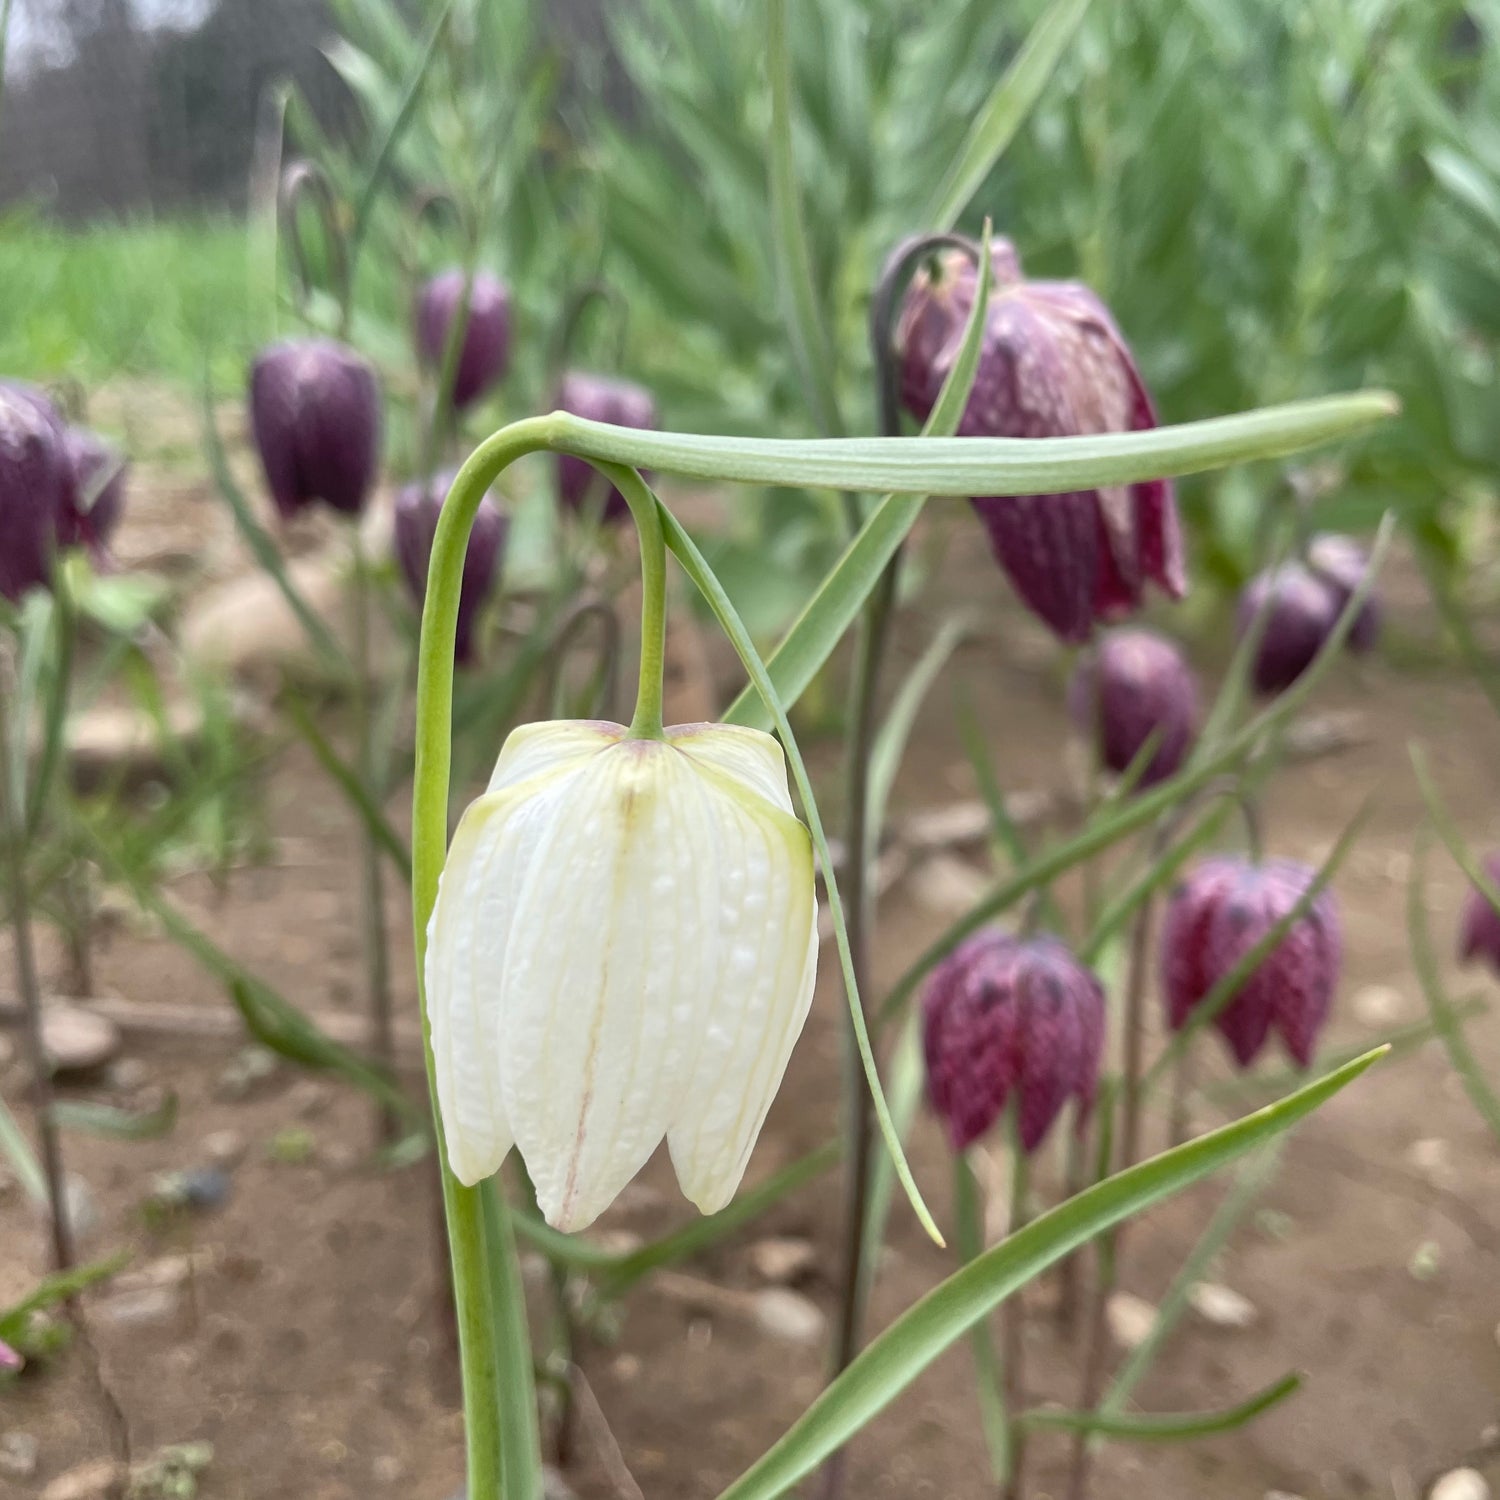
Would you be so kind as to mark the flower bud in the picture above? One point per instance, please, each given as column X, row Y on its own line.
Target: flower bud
column 1224, row 907
column 315, row 412
column 1342, row 564
column 1300, row 611
column 599, row 399
column 417, row 510
column 34, row 490
column 484, row 355
column 96, row 494
column 1001, row 1014
column 1132, row 685
column 623, row 948
column 1052, row 364
column 1479, row 933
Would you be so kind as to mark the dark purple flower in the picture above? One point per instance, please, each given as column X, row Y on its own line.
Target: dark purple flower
column 484, row 355
column 96, row 495
column 1342, row 563
column 35, row 484
column 1135, row 683
column 1219, row 913
column 1002, row 1013
column 315, row 411
column 1479, row 934
column 600, row 399
column 1301, row 609
column 1053, row 364
column 417, row 511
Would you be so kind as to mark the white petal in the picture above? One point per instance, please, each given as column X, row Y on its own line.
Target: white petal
column 532, row 749
column 613, row 953
column 752, row 758
column 767, row 969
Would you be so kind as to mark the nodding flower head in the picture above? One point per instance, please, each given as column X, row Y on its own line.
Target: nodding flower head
column 1052, row 364
column 1132, row 685
column 484, row 355
column 1479, row 932
column 600, row 399
column 1298, row 609
column 1342, row 564
column 1226, row 906
column 35, row 489
column 315, row 413
column 417, row 509
column 1006, row 1017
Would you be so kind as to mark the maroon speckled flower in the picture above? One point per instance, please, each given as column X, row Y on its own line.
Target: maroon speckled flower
column 600, row 399
column 1135, row 683
column 1342, row 563
column 315, row 411
column 417, row 511
column 1300, row 610
column 35, row 482
column 1218, row 914
column 1002, row 1013
column 1479, row 933
column 96, row 496
column 484, row 356
column 1053, row 364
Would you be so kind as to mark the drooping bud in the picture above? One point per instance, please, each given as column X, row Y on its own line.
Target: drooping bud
column 1299, row 610
column 484, row 355
column 315, row 413
column 623, row 949
column 1003, row 1014
column 96, row 497
column 1479, row 933
column 34, row 488
column 1224, row 907
column 1133, row 685
column 1342, row 563
column 1052, row 364
column 417, row 511
column 600, row 399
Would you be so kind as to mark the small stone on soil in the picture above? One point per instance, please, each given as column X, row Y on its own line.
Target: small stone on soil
column 1461, row 1484
column 198, row 1188
column 1433, row 1158
column 1130, row 1319
column 1222, row 1306
column 127, row 1075
column 789, row 1315
column 224, row 1148
column 247, row 1069
column 781, row 1261
column 554, row 1486
column 149, row 1307
column 95, row 1480
column 77, row 1040
column 1379, row 1006
column 308, row 1098
column 386, row 1468
column 19, row 1454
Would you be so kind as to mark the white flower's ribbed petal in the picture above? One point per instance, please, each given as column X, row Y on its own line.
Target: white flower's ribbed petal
column 752, row 758
column 613, row 953
column 768, row 966
column 467, row 942
column 531, row 749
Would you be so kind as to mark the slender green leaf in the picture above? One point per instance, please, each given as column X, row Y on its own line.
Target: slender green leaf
column 1177, row 1427
column 1005, row 111
column 900, row 1354
column 116, row 1124
column 58, row 1287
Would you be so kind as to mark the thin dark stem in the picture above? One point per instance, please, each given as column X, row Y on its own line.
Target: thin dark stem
column 1014, row 1323
column 26, row 981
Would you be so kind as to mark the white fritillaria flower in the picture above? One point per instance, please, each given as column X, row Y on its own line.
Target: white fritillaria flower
column 623, row 948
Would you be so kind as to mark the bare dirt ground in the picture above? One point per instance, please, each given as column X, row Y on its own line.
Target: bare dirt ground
column 310, row 1349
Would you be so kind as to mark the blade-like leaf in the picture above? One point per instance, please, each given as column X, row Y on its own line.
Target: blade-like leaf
column 57, row 1288
column 116, row 1124
column 922, row 1333
column 1165, row 1427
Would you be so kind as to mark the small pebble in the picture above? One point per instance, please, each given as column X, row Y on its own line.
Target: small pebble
column 1130, row 1319
column 308, row 1098
column 248, row 1068
column 340, row 1156
column 1221, row 1306
column 148, row 1307
column 76, row 1040
column 127, row 1075
column 386, row 1468
column 1433, row 1158
column 554, row 1486
column 224, row 1148
column 20, row 1453
column 781, row 1261
column 789, row 1315
column 96, row 1480
column 1461, row 1484
column 1379, row 1007
column 198, row 1188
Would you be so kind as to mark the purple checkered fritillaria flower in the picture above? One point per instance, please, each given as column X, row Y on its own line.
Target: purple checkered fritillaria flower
column 484, row 355
column 1052, row 364
column 1132, row 685
column 315, row 413
column 96, row 497
column 1342, row 564
column 35, row 489
column 599, row 398
column 1299, row 609
column 1479, row 931
column 417, row 510
column 1004, row 1016
column 1224, row 907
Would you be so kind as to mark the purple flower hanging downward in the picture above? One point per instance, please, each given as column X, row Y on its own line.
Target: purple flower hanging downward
column 35, row 483
column 315, row 411
column 1001, row 1014
column 1479, row 933
column 1215, row 917
column 96, row 497
column 600, row 399
column 1342, row 564
column 484, row 355
column 1299, row 610
column 417, row 511
column 1052, row 364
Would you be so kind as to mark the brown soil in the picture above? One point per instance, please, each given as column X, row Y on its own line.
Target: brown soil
column 312, row 1351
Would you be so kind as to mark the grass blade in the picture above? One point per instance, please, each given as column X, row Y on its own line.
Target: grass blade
column 117, row 1124
column 1166, row 1428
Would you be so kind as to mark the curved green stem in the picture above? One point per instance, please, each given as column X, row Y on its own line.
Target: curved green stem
column 647, row 725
